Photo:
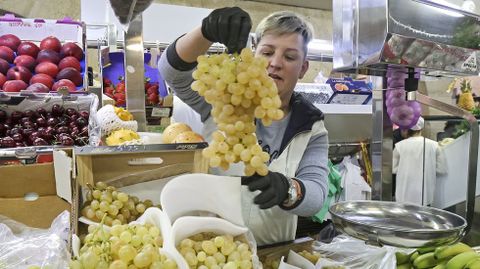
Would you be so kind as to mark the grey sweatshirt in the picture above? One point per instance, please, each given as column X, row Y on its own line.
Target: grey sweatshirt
column 312, row 170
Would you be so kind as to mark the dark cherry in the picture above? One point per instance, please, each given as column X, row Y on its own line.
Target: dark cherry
column 41, row 122
column 25, row 119
column 81, row 122
column 72, row 125
column 66, row 141
column 31, row 114
column 41, row 111
column 57, row 110
column 20, row 144
column 3, row 129
column 18, row 137
column 3, row 115
column 34, row 136
column 84, row 114
column 27, row 132
column 29, row 124
column 74, row 117
column 71, row 111
column 40, row 142
column 52, row 122
column 16, row 116
column 7, row 142
column 16, row 130
column 84, row 131
column 62, row 129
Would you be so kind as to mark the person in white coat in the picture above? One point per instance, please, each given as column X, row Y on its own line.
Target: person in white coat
column 417, row 160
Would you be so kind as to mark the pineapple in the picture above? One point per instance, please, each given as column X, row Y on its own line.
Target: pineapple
column 123, row 114
column 121, row 136
column 465, row 100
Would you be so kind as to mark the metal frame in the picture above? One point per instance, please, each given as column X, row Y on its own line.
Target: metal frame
column 473, row 150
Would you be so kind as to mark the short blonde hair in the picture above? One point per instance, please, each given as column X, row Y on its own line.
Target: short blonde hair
column 285, row 22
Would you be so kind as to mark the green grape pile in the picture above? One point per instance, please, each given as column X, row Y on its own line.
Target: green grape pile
column 211, row 251
column 119, row 207
column 122, row 247
column 311, row 256
column 239, row 89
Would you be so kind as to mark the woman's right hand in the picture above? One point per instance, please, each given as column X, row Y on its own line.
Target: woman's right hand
column 229, row 26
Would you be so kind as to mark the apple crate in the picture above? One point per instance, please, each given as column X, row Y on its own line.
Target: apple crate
column 40, row 119
column 25, row 56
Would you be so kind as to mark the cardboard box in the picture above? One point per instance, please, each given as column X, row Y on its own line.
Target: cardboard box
column 28, row 193
column 131, row 167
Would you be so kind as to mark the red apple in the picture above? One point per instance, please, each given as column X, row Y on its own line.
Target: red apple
column 7, row 54
column 70, row 61
column 9, row 40
column 3, row 79
column 28, row 48
column 51, row 43
column 42, row 78
column 48, row 56
column 4, row 66
column 64, row 83
column 14, row 85
column 48, row 68
column 38, row 87
column 71, row 49
column 25, row 60
column 71, row 74
column 19, row 73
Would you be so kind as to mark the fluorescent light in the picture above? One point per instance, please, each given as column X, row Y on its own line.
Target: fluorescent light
column 320, row 45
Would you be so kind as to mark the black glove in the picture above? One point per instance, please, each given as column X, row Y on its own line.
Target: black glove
column 229, row 26
column 274, row 187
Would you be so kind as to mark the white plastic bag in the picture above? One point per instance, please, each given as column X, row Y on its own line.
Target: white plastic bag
column 22, row 246
column 356, row 254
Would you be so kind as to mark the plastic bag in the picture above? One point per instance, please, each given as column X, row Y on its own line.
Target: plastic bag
column 356, row 254
column 126, row 12
column 22, row 246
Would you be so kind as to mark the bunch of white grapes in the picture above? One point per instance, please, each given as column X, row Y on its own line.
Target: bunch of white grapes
column 117, row 207
column 311, row 256
column 239, row 89
column 122, row 247
column 211, row 251
column 273, row 262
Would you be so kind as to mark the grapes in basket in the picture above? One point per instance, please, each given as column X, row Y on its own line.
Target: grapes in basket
column 122, row 247
column 208, row 250
column 117, row 207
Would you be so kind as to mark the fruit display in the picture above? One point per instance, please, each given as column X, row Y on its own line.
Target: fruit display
column 180, row 133
column 240, row 91
column 456, row 256
column 121, row 247
column 48, row 62
column 465, row 99
column 117, row 92
column 117, row 126
column 112, row 206
column 209, row 250
column 57, row 126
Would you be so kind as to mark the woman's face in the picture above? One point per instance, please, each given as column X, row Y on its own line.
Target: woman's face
column 286, row 61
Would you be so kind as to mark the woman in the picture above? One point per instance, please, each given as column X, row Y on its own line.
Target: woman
column 298, row 145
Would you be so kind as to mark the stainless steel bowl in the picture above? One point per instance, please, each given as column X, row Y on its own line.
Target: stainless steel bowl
column 397, row 224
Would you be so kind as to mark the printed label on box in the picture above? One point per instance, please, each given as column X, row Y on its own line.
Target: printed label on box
column 161, row 112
